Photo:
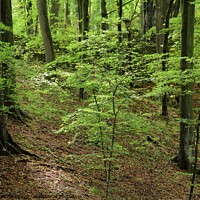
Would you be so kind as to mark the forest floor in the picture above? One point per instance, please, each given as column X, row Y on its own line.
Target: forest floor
column 74, row 171
column 65, row 171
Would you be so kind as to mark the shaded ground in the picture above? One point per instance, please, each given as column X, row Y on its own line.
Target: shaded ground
column 72, row 171
column 65, row 172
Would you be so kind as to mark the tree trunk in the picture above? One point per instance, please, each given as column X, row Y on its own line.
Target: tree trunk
column 67, row 20
column 120, row 5
column 7, row 144
column 165, row 51
column 54, row 11
column 45, row 30
column 161, row 16
column 104, row 15
column 80, row 19
column 7, row 71
column 176, row 8
column 29, row 20
column 186, row 96
column 147, row 15
column 83, row 14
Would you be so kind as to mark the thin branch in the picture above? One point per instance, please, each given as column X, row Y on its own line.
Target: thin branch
column 134, row 10
column 122, row 5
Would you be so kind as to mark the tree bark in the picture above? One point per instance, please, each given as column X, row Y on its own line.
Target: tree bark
column 83, row 14
column 176, row 8
column 163, row 11
column 54, row 11
column 147, row 15
column 7, row 71
column 104, row 15
column 186, row 96
column 160, row 15
column 29, row 20
column 80, row 19
column 45, row 30
column 7, row 144
column 119, row 26
column 67, row 20
column 165, row 51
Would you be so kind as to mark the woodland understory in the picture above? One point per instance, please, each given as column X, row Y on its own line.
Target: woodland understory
column 143, row 170
column 99, row 103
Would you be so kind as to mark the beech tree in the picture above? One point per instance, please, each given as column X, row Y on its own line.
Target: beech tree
column 29, row 22
column 45, row 30
column 7, row 144
column 83, row 16
column 67, row 20
column 147, row 15
column 120, row 12
column 104, row 15
column 186, row 96
column 54, row 11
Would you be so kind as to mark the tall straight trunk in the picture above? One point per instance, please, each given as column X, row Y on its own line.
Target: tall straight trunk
column 160, row 12
column 120, row 5
column 7, row 144
column 83, row 14
column 161, row 15
column 45, row 30
column 104, row 15
column 54, row 11
column 67, row 20
column 80, row 19
column 176, row 8
column 147, row 15
column 165, row 51
column 8, row 73
column 186, row 96
column 29, row 20
column 6, row 18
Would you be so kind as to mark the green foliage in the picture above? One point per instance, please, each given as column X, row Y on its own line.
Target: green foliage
column 6, row 53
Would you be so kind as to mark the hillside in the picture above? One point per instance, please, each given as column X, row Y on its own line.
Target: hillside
column 65, row 171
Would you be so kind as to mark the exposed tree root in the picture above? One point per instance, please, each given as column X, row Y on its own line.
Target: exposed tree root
column 8, row 146
column 18, row 114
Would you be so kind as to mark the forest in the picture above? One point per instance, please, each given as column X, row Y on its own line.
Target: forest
column 99, row 99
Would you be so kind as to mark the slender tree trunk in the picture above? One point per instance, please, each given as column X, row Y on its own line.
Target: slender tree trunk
column 120, row 5
column 160, row 12
column 104, row 15
column 80, row 19
column 36, row 26
column 45, row 30
column 6, row 18
column 147, row 15
column 176, row 8
column 186, row 96
column 8, row 73
column 83, row 14
column 162, row 39
column 165, row 51
column 29, row 20
column 67, row 20
column 7, row 144
column 54, row 11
